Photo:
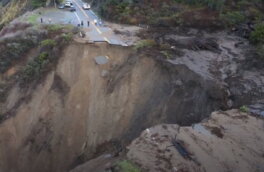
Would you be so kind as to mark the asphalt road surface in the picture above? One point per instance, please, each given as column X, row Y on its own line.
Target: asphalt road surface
column 95, row 32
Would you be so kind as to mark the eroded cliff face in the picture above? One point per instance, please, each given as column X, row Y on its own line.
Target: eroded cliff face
column 80, row 105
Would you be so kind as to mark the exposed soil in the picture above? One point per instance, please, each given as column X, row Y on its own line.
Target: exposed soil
column 200, row 147
column 81, row 105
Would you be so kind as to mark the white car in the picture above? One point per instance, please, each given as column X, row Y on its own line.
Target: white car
column 68, row 4
column 86, row 6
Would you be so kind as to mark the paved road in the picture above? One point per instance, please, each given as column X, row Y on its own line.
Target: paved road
column 94, row 33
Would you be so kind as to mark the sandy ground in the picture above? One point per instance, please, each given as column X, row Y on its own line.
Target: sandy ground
column 127, row 33
column 228, row 141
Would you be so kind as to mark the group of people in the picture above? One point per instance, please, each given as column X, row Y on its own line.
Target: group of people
column 96, row 23
column 88, row 23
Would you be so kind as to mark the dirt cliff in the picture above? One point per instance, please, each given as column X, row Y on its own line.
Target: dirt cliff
column 83, row 105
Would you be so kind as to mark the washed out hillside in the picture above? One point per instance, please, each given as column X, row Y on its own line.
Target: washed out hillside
column 131, row 85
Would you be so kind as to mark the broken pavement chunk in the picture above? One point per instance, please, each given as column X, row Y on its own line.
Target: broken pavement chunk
column 100, row 60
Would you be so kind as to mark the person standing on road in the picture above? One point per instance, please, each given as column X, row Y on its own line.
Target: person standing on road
column 95, row 22
column 81, row 23
column 88, row 23
column 41, row 20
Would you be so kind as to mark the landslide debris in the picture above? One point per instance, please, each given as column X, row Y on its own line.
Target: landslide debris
column 227, row 141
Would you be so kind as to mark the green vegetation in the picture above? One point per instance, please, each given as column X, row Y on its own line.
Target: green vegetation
column 244, row 109
column 127, row 166
column 48, row 43
column 176, row 12
column 166, row 54
column 212, row 4
column 33, row 18
column 257, row 36
column 13, row 51
column 145, row 44
column 67, row 36
column 232, row 18
column 54, row 27
column 35, row 67
column 12, row 11
column 38, row 3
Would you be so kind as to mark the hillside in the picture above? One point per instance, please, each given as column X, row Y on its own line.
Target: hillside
column 169, row 86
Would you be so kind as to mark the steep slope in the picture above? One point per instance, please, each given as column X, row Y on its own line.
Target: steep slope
column 83, row 106
column 228, row 141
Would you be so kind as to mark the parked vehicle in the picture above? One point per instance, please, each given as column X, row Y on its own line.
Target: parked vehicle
column 86, row 6
column 61, row 6
column 72, row 9
column 68, row 4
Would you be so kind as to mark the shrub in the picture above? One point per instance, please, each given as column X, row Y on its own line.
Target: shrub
column 166, row 54
column 212, row 4
column 34, row 68
column 48, row 43
column 38, row 3
column 145, row 44
column 126, row 166
column 244, row 109
column 67, row 36
column 257, row 36
column 54, row 27
column 233, row 18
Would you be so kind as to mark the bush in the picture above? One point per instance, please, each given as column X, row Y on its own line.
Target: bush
column 12, row 50
column 35, row 67
column 212, row 4
column 67, row 37
column 233, row 18
column 257, row 36
column 166, row 54
column 126, row 166
column 48, row 43
column 145, row 44
column 244, row 109
column 54, row 27
column 38, row 3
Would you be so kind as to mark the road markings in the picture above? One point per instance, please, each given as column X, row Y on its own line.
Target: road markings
column 97, row 29
column 77, row 17
column 107, row 40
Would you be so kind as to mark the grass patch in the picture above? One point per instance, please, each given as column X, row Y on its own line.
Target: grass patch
column 33, row 18
column 48, row 43
column 145, row 44
column 127, row 166
column 54, row 27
